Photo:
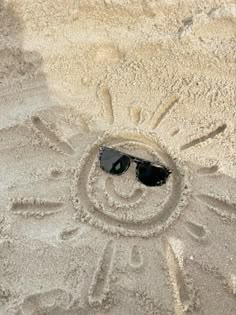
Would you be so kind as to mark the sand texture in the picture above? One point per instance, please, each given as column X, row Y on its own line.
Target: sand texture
column 155, row 79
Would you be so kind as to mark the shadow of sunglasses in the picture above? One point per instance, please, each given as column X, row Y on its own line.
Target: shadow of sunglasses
column 148, row 173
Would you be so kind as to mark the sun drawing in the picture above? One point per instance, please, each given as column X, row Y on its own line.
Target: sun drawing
column 158, row 227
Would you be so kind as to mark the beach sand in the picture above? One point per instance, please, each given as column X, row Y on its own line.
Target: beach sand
column 154, row 79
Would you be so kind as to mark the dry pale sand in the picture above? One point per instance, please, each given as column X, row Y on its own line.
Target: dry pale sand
column 156, row 79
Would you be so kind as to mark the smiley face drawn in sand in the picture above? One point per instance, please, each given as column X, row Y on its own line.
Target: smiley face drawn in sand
column 121, row 204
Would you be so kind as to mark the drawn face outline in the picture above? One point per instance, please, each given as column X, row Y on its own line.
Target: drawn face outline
column 130, row 222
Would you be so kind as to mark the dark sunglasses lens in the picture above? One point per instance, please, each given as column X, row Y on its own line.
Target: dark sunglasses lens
column 114, row 162
column 151, row 175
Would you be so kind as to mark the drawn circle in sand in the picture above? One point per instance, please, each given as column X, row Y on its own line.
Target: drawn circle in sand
column 121, row 204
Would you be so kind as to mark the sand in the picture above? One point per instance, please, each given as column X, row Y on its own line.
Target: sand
column 155, row 79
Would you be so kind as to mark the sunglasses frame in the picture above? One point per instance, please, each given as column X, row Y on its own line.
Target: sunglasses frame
column 134, row 159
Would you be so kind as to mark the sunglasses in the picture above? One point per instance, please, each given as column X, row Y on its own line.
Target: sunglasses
column 148, row 173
